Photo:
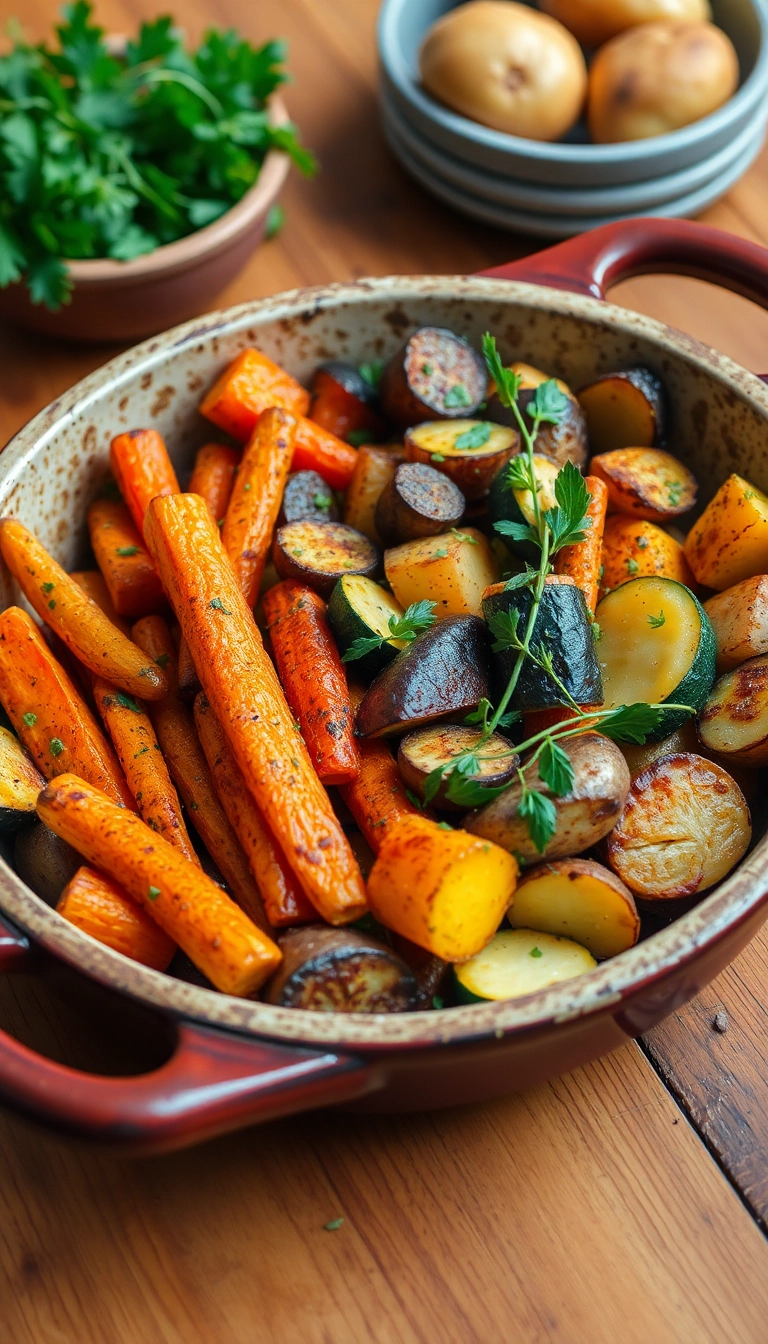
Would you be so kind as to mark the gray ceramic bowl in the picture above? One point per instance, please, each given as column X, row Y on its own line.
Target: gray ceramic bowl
column 403, row 24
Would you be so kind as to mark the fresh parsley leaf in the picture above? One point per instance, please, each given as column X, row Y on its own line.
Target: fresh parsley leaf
column 466, row 792
column 414, row 799
column 503, row 625
column 540, row 815
column 418, row 617
column 631, row 723
column 464, row 536
column 517, row 531
column 437, row 457
column 632, row 566
column 127, row 550
column 456, row 396
column 520, row 581
column 218, row 605
column 656, row 622
column 509, row 719
column 481, row 714
column 519, row 475
column 360, row 647
column 372, row 373
column 535, row 952
column 476, row 437
column 507, row 382
column 431, row 785
column 548, row 403
column 569, row 522
column 29, row 719
column 56, row 745
column 127, row 702
column 555, row 768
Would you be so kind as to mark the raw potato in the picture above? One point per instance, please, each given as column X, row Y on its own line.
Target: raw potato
column 685, row 826
column 506, row 66
column 730, row 540
column 429, row 748
column 564, row 442
column 451, row 447
column 594, row 22
column 584, row 816
column 645, row 483
column 452, row 570
column 518, row 962
column 624, row 410
column 657, row 78
column 739, row 618
column 578, row 899
column 633, row 548
column 734, row 721
column 327, row 970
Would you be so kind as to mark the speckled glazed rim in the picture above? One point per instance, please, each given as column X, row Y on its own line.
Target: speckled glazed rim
column 642, row 968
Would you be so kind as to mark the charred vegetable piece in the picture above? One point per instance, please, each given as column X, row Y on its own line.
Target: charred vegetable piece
column 578, row 899
column 634, row 548
column 249, row 385
column 470, row 452
column 45, row 862
column 20, row 783
column 583, row 560
column 452, row 569
column 360, row 609
column 729, row 542
column 306, row 495
column 320, row 554
column 563, row 628
column 624, row 410
column 432, row 973
column 99, row 907
column 564, row 442
column 656, row 644
column 506, row 504
column 444, row 672
column 435, row 374
column 685, row 826
column 518, row 962
column 585, row 815
column 417, row 502
column 328, row 970
column 374, row 469
column 436, row 746
column 444, row 890
column 686, row 739
column 739, row 618
column 343, row 401
column 734, row 721
column 646, row 483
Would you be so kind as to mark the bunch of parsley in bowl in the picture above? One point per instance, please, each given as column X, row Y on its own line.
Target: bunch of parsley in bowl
column 115, row 149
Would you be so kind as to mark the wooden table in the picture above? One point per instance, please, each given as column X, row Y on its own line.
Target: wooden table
column 623, row 1203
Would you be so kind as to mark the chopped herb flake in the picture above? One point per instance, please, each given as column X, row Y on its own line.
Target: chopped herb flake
column 656, row 622
column 48, row 587
column 437, row 1002
column 440, row 555
column 437, row 457
column 127, row 702
column 457, row 396
column 464, row 536
column 52, row 604
column 334, row 1225
column 153, row 893
column 127, row 550
column 632, row 566
column 162, row 659
column 218, row 605
column 476, row 437
column 426, row 369
column 57, row 746
column 29, row 719
column 536, row 952
column 322, row 501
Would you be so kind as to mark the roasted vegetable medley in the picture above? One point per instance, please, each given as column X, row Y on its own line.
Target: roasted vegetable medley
column 394, row 707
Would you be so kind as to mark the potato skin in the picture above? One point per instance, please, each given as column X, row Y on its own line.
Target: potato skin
column 594, row 22
column 657, row 78
column 417, row 502
column 507, row 67
column 645, row 483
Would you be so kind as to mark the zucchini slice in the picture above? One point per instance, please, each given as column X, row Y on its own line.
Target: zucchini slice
column 734, row 720
column 470, row 452
column 358, row 608
column 319, row 554
column 516, row 506
column 437, row 745
column 20, row 784
column 518, row 962
column 656, row 644
column 328, row 970
column 578, row 899
column 563, row 627
column 624, row 410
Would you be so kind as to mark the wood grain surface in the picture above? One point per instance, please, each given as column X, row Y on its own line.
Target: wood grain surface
column 586, row 1212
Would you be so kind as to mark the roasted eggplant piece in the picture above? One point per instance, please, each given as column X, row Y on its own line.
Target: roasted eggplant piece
column 435, row 746
column 452, row 569
column 563, row 627
column 344, row 402
column 326, row 970
column 442, row 674
column 374, row 469
column 578, row 899
column 417, row 502
column 624, row 410
column 646, row 483
column 433, row 975
column 470, row 452
column 433, row 375
column 563, row 442
column 306, row 495
column 319, row 554
column 20, row 784
column 44, row 862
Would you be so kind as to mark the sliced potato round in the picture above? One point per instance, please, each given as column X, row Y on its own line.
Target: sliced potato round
column 518, row 962
column 624, row 410
column 685, row 826
column 319, row 554
column 470, row 452
column 578, row 899
column 686, row 739
column 564, row 442
column 435, row 746
column 418, row 502
column 734, row 720
column 633, row 548
column 646, row 483
column 306, row 495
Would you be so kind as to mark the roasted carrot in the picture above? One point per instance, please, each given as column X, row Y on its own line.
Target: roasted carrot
column 316, row 449
column 178, row 738
column 138, row 751
column 98, row 906
column 313, row 678
column 189, row 682
column 76, row 619
column 247, row 698
column 377, row 797
column 124, row 560
column 582, row 561
column 143, row 470
column 48, row 712
column 213, row 477
column 256, row 498
column 284, row 900
column 214, row 932
column 251, row 384
column 337, row 407
column 92, row 582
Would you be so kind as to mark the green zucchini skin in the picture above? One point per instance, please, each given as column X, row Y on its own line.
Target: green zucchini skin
column 563, row 626
column 348, row 625
column 503, row 506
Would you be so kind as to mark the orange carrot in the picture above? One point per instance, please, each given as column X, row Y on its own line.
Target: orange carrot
column 251, row 384
column 313, row 678
column 213, row 477
column 92, row 582
column 316, row 449
column 256, row 498
column 189, row 771
column 124, row 560
column 247, row 698
column 582, row 561
column 342, row 412
column 143, row 470
column 214, row 932
column 98, row 906
column 139, row 753
column 189, row 682
column 75, row 618
column 284, row 900
column 377, row 797
column 48, row 712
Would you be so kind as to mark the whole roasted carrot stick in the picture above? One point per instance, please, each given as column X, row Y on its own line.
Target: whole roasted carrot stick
column 256, row 498
column 98, row 906
column 246, row 696
column 313, row 678
column 583, row 560
column 48, row 712
column 189, row 771
column 144, row 767
column 251, row 384
column 316, row 449
column 143, row 470
column 124, row 560
column 213, row 477
column 376, row 797
column 214, row 932
column 76, row 619
column 281, row 892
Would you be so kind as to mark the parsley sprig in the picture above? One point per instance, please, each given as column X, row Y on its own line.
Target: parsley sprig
column 416, row 618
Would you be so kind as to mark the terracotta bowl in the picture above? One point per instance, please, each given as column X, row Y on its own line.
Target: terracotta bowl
column 128, row 300
column 236, row 1060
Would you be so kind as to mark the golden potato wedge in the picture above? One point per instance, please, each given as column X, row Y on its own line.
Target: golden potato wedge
column 452, row 569
column 374, row 469
column 734, row 720
column 646, row 483
column 729, row 542
column 624, row 410
column 578, row 899
column 739, row 618
column 633, row 548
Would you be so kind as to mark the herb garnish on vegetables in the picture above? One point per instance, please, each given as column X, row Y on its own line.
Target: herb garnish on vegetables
column 419, row 616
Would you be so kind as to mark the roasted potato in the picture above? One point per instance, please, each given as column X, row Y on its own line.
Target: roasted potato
column 686, row 739
column 430, row 748
column 633, row 547
column 374, row 469
column 563, row 442
column 734, row 720
column 594, row 22
column 434, row 374
column 417, row 502
column 578, row 899
column 739, row 618
column 645, row 483
column 729, row 542
column 518, row 962
column 452, row 569
column 319, row 554
column 470, row 452
column 624, row 410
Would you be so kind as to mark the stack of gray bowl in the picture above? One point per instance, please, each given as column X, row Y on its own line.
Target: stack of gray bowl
column 557, row 190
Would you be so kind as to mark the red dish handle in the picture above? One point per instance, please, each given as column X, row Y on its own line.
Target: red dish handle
column 215, row 1081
